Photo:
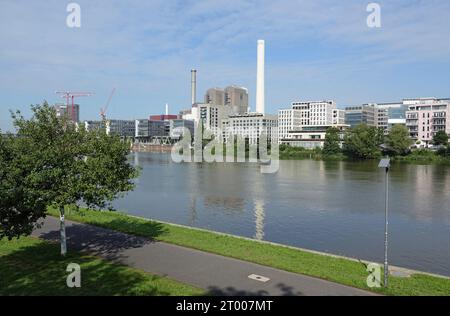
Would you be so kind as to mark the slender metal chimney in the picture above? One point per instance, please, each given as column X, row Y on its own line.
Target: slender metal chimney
column 167, row 108
column 260, row 106
column 193, row 86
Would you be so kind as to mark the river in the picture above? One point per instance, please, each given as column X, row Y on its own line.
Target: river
column 335, row 207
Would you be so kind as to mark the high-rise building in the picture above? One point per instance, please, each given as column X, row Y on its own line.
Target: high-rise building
column 426, row 116
column 69, row 113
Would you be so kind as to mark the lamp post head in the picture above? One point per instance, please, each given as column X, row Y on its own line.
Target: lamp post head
column 385, row 163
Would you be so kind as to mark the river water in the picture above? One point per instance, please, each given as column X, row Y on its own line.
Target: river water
column 334, row 207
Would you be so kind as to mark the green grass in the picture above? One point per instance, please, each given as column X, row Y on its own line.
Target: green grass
column 30, row 266
column 339, row 270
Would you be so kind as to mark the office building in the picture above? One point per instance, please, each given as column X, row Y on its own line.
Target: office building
column 212, row 116
column 308, row 113
column 363, row 114
column 338, row 117
column 250, row 126
column 146, row 130
column 311, row 137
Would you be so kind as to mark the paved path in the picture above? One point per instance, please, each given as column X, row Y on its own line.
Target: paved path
column 217, row 274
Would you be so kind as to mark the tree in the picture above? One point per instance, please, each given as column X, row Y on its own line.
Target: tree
column 21, row 204
column 59, row 164
column 363, row 142
column 398, row 140
column 331, row 145
column 440, row 138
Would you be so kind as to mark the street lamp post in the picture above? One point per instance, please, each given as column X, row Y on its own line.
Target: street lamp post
column 386, row 164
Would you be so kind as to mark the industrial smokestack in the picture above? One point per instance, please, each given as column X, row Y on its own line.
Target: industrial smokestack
column 167, row 109
column 260, row 107
column 193, row 86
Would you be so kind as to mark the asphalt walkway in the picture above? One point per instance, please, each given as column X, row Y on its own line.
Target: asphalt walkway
column 216, row 274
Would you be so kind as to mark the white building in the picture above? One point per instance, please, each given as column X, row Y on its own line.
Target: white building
column 308, row 113
column 338, row 117
column 250, row 126
column 212, row 116
column 311, row 137
column 426, row 116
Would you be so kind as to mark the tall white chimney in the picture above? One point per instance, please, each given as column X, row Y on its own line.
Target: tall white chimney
column 260, row 107
column 193, row 86
column 167, row 108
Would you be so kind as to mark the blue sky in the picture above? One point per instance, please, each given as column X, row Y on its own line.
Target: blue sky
column 315, row 49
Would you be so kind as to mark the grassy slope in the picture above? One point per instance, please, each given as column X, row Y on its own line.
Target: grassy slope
column 30, row 266
column 326, row 267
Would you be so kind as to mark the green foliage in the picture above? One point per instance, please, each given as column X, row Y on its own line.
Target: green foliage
column 445, row 152
column 440, row 138
column 53, row 162
column 363, row 142
column 398, row 140
column 331, row 145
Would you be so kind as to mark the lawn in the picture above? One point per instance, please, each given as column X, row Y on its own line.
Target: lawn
column 30, row 266
column 330, row 268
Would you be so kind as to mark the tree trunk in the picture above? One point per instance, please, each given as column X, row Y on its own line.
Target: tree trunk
column 62, row 231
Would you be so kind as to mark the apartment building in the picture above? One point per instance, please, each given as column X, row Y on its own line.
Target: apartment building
column 426, row 116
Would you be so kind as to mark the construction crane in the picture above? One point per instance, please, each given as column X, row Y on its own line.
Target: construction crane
column 68, row 95
column 105, row 108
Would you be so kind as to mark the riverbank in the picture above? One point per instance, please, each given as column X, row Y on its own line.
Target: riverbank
column 31, row 266
column 416, row 157
column 331, row 268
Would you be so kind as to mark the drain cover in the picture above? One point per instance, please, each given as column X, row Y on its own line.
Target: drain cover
column 259, row 278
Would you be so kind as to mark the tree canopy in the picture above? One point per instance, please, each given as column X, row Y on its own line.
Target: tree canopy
column 332, row 142
column 53, row 162
column 440, row 138
column 398, row 140
column 363, row 142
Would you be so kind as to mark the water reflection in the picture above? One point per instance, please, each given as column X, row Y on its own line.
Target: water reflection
column 336, row 207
